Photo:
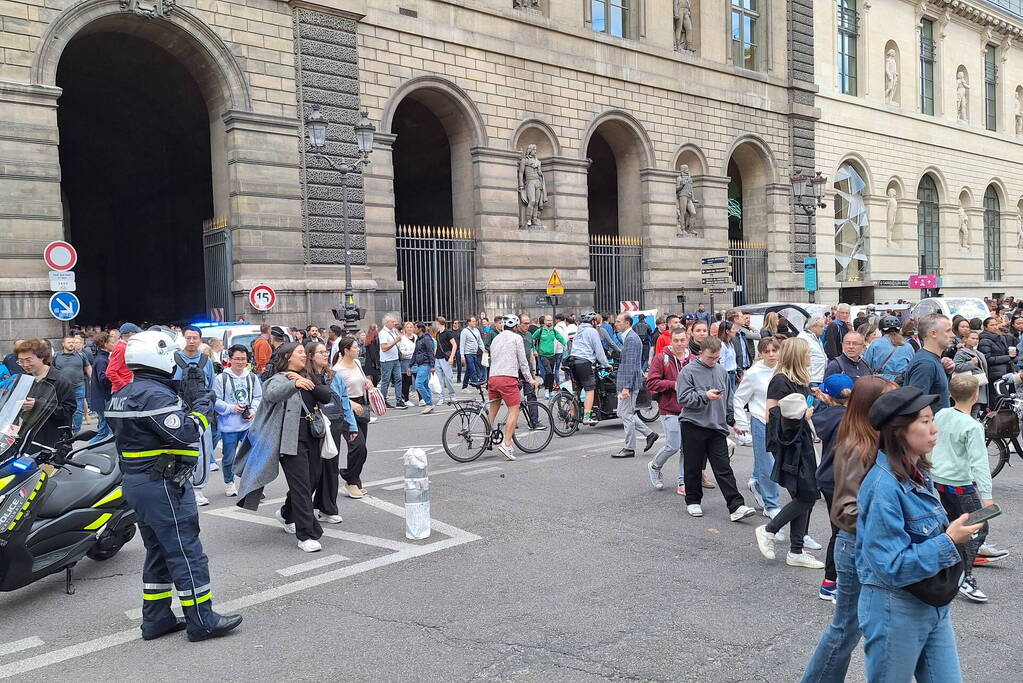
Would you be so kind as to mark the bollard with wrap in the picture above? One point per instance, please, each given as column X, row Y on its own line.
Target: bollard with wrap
column 417, row 495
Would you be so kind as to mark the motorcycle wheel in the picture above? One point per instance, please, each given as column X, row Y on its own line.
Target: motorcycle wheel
column 100, row 554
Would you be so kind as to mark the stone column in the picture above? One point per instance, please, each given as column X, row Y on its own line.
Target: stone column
column 568, row 249
column 380, row 276
column 664, row 251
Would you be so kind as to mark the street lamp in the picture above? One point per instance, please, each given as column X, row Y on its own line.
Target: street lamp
column 809, row 202
column 316, row 132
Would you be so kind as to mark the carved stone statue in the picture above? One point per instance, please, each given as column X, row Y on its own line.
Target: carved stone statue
column 532, row 187
column 962, row 97
column 1019, row 230
column 683, row 12
column 891, row 77
column 964, row 228
column 686, row 204
column 1019, row 114
column 892, row 218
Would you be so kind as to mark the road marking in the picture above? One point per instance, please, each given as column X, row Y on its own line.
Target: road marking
column 19, row 645
column 482, row 471
column 309, row 566
column 333, row 533
column 548, row 458
column 402, row 450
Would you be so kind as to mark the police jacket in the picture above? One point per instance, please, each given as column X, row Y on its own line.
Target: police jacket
column 149, row 420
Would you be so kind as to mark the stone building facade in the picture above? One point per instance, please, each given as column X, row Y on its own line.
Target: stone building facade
column 955, row 172
column 113, row 159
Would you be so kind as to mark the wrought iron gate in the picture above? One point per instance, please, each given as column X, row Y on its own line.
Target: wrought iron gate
column 216, row 249
column 438, row 267
column 749, row 272
column 616, row 266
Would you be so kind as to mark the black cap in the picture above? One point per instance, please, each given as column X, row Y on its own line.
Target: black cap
column 278, row 333
column 903, row 401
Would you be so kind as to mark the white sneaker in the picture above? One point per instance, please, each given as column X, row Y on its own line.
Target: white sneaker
column 781, row 535
column 230, row 490
column 810, row 544
column 310, row 546
column 744, row 439
column 329, row 519
column 803, row 559
column 506, row 451
column 427, row 410
column 694, row 510
column 214, row 466
column 200, row 499
column 288, row 528
column 765, row 541
column 656, row 476
column 771, row 513
column 412, row 402
column 731, row 447
column 751, row 484
column 372, row 419
column 742, row 512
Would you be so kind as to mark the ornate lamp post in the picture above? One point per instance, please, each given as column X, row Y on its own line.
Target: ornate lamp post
column 809, row 202
column 316, row 131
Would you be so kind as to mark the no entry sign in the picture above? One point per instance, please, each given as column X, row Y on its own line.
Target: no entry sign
column 60, row 255
column 262, row 297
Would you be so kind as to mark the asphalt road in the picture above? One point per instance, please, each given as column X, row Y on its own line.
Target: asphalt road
column 560, row 566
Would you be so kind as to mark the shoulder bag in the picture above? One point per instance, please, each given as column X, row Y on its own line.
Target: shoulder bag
column 942, row 588
column 317, row 421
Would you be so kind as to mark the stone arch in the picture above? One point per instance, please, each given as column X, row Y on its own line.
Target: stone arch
column 1000, row 189
column 536, row 132
column 890, row 46
column 754, row 157
column 624, row 133
column 939, row 182
column 199, row 48
column 450, row 104
column 966, row 198
column 750, row 167
column 862, row 168
column 692, row 156
column 896, row 182
column 618, row 149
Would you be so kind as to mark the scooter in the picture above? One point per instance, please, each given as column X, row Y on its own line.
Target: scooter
column 57, row 504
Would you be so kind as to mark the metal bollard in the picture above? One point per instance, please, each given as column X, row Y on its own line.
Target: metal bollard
column 417, row 495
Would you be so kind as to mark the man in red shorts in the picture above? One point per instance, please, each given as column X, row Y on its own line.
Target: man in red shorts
column 507, row 361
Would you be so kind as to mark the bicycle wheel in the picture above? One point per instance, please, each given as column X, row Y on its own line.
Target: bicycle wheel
column 565, row 414
column 997, row 455
column 650, row 413
column 534, row 428
column 466, row 434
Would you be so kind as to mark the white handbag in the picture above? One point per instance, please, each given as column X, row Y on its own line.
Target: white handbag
column 328, row 449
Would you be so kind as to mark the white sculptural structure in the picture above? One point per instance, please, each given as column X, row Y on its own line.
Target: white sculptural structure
column 891, row 77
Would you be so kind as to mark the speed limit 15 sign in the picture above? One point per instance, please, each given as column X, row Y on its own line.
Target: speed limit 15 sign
column 262, row 297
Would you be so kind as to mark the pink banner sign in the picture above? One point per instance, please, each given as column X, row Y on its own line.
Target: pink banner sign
column 923, row 281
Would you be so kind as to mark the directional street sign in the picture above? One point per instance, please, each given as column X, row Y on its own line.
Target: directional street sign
column 62, row 281
column 710, row 260
column 64, row 306
column 710, row 270
column 716, row 280
column 711, row 290
column 541, row 300
column 554, row 285
column 262, row 297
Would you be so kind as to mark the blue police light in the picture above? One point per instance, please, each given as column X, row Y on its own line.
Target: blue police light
column 211, row 323
column 21, row 465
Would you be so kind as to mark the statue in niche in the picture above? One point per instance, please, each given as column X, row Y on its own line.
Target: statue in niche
column 892, row 218
column 962, row 97
column 964, row 228
column 532, row 187
column 1019, row 230
column 1019, row 114
column 683, row 18
column 891, row 77
column 686, row 204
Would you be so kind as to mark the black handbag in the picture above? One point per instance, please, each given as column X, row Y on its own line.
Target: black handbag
column 1002, row 424
column 942, row 588
column 317, row 427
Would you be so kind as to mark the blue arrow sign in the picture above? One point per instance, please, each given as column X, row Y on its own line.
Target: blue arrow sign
column 64, row 306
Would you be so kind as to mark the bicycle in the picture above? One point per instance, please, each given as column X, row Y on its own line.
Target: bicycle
column 567, row 406
column 467, row 432
column 998, row 446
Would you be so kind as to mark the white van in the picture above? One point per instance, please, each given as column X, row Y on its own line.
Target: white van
column 968, row 307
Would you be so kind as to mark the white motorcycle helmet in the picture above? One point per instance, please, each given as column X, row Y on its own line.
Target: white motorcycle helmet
column 153, row 350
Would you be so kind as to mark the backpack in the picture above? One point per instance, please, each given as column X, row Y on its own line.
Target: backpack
column 250, row 382
column 193, row 377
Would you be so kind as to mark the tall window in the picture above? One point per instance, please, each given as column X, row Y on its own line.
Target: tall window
column 992, row 236
column 990, row 88
column 851, row 225
column 928, row 229
column 848, row 33
column 746, row 33
column 927, row 66
column 611, row 17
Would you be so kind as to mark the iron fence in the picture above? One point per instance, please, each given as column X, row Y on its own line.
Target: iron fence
column 749, row 272
column 217, row 266
column 616, row 266
column 438, row 268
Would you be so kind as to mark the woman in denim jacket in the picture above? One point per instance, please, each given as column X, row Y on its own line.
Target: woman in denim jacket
column 901, row 538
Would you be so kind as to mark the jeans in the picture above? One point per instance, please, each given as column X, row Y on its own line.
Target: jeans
column 447, row 383
column 390, row 373
column 76, row 419
column 904, row 637
column 103, row 429
column 700, row 444
column 230, row 440
column 473, row 370
column 763, row 464
column 830, row 661
column 631, row 421
column 422, row 373
column 672, row 445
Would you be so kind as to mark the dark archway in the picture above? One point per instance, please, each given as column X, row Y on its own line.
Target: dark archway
column 734, row 202
column 422, row 167
column 602, row 187
column 136, row 178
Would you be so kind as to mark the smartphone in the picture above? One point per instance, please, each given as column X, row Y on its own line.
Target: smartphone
column 715, row 391
column 983, row 514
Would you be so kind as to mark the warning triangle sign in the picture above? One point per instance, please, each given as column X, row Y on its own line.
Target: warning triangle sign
column 555, row 280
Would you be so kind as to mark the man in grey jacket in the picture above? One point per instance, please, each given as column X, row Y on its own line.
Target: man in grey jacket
column 704, row 393
column 629, row 381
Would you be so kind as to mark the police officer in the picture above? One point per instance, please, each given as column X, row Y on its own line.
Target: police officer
column 157, row 438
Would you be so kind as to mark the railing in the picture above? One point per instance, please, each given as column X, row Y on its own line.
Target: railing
column 438, row 267
column 616, row 266
column 217, row 266
column 749, row 272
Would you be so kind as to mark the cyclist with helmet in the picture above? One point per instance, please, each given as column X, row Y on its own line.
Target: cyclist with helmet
column 587, row 349
column 507, row 362
column 890, row 355
column 157, row 438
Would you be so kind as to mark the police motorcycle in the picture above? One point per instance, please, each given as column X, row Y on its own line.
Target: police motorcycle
column 58, row 504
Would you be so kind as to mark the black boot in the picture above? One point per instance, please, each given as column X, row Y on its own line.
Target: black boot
column 179, row 625
column 650, row 439
column 222, row 628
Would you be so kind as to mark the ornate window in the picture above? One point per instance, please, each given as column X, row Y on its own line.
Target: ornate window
column 851, row 225
column 927, row 66
column 848, row 35
column 990, row 89
column 928, row 227
column 992, row 236
column 746, row 33
column 612, row 17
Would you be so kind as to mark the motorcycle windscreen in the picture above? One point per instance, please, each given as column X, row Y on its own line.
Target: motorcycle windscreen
column 16, row 424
